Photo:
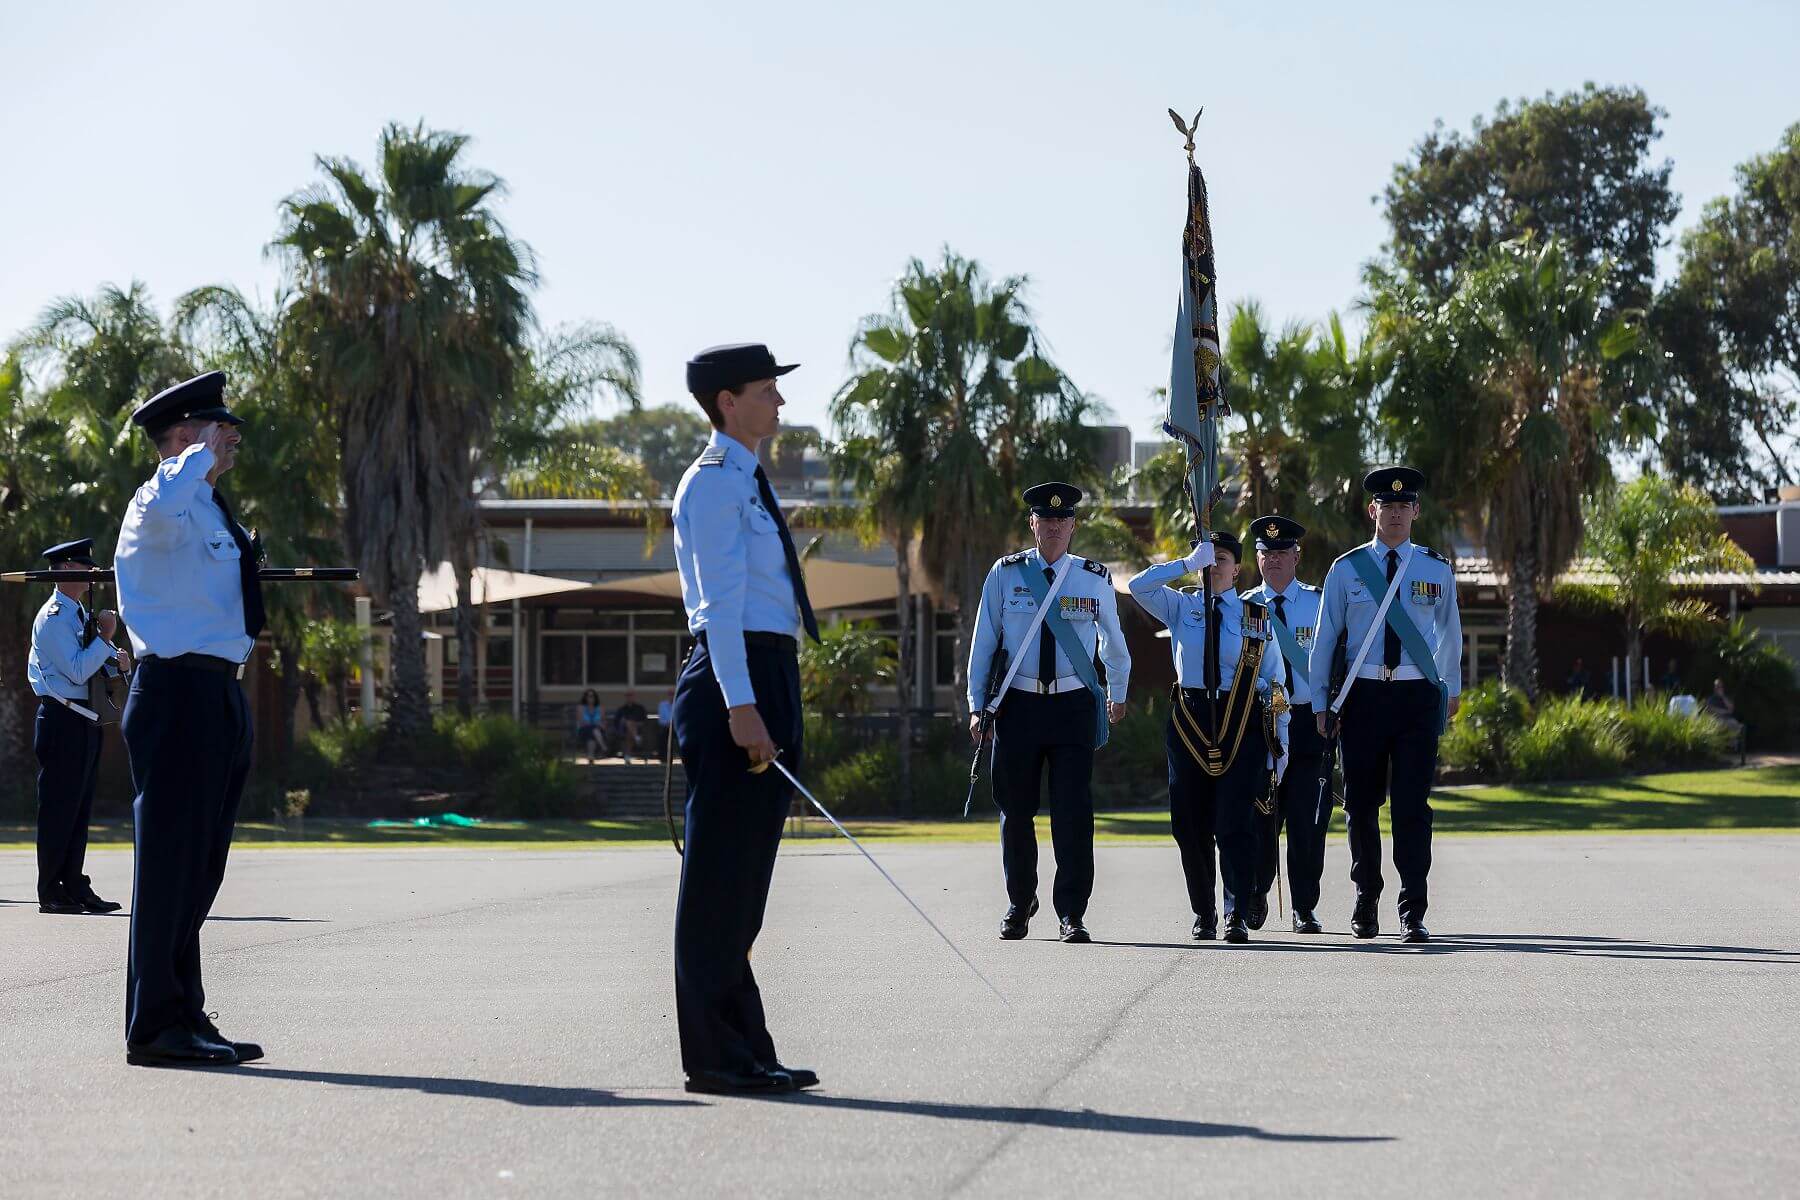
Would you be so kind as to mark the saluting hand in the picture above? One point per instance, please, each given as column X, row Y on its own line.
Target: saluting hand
column 748, row 731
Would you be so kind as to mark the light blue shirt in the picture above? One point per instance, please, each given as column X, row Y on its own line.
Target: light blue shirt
column 1427, row 597
column 1086, row 601
column 58, row 664
column 179, row 587
column 1301, row 603
column 734, row 574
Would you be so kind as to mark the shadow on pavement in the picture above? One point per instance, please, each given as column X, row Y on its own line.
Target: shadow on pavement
column 1498, row 943
column 275, row 920
column 1061, row 1118
column 529, row 1095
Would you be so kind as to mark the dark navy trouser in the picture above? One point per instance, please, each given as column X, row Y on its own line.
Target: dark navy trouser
column 68, row 753
column 1390, row 755
column 1031, row 732
column 1204, row 810
column 734, row 822
column 188, row 731
column 1307, row 820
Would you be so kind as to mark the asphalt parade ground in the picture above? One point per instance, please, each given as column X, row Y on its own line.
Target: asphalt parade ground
column 1598, row 1016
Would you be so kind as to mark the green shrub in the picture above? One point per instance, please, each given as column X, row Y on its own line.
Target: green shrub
column 1760, row 680
column 535, row 788
column 1133, row 767
column 1660, row 739
column 486, row 746
column 862, row 785
column 343, row 745
column 1481, row 732
column 1572, row 738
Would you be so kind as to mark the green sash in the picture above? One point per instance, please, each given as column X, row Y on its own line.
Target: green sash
column 1070, row 642
column 1376, row 581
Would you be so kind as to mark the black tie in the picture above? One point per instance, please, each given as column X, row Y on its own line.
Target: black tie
column 793, row 556
column 1287, row 667
column 1390, row 640
column 254, row 615
column 1047, row 644
column 1213, row 620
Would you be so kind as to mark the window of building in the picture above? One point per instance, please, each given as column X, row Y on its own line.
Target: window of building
column 561, row 665
column 943, row 649
column 636, row 650
column 608, row 659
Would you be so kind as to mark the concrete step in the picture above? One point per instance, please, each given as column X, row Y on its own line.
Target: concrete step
column 632, row 792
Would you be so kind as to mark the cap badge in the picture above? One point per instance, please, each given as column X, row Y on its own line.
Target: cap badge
column 1399, row 485
column 1272, row 529
column 1056, row 502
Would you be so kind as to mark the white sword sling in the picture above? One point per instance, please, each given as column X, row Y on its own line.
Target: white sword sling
column 1037, row 622
column 1375, row 627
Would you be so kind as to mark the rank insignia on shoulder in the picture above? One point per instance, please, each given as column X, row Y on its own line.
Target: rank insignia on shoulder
column 712, row 456
column 1307, row 587
column 1430, row 553
column 1020, row 557
column 1097, row 568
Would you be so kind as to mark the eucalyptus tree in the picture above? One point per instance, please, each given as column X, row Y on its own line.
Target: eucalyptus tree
column 414, row 302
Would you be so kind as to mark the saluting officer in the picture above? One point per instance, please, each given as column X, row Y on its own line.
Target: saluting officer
column 1397, row 600
column 1227, row 677
column 1054, row 616
column 1293, row 617
column 65, row 655
column 737, row 704
column 192, row 602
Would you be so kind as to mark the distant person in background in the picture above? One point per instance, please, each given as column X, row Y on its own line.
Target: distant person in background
column 1578, row 681
column 631, row 717
column 665, row 716
column 590, row 724
column 1719, row 704
column 1671, row 678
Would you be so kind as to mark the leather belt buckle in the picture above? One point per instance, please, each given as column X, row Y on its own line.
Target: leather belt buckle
column 1387, row 674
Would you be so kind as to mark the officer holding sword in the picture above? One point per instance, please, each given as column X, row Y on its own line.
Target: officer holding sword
column 1055, row 617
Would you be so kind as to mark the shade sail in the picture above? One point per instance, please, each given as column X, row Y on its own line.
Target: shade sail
column 828, row 585
column 488, row 585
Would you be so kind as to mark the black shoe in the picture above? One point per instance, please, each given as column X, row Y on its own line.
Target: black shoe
column 83, row 894
column 1306, row 922
column 1074, row 932
column 1015, row 924
column 59, row 904
column 1206, row 928
column 179, row 1046
column 1235, row 930
column 245, row 1051
column 802, row 1077
column 738, row 1082
column 1259, row 912
column 1363, row 919
column 1414, row 931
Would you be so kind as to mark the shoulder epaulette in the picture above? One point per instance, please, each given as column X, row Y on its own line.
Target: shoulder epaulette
column 1097, row 568
column 1430, row 553
column 712, row 456
column 56, row 604
column 1307, row 587
column 1020, row 557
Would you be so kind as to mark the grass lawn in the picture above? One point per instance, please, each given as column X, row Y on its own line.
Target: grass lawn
column 1755, row 798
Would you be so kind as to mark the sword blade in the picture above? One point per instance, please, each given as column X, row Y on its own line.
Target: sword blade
column 839, row 826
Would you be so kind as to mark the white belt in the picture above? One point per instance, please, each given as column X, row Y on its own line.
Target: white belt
column 1033, row 688
column 72, row 706
column 1386, row 673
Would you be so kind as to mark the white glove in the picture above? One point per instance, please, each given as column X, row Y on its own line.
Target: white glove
column 1201, row 556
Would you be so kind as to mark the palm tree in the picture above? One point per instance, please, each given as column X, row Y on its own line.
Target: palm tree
column 1296, row 430
column 287, row 488
column 952, row 381
column 1512, row 392
column 413, row 297
column 1644, row 535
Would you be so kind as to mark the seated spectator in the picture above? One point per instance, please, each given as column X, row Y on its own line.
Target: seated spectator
column 590, row 721
column 1719, row 704
column 1578, row 682
column 631, row 716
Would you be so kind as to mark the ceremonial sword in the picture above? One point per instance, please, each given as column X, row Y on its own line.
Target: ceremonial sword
column 266, row 574
column 839, row 826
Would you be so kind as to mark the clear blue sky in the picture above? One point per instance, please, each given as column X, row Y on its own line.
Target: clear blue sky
column 695, row 173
